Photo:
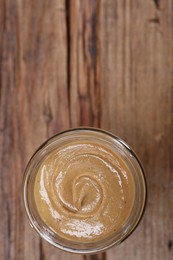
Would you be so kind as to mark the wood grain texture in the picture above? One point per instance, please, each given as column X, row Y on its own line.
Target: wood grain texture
column 102, row 63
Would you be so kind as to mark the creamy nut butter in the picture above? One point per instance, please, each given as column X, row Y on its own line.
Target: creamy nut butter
column 84, row 191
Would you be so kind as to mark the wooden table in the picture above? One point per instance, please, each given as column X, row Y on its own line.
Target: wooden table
column 102, row 63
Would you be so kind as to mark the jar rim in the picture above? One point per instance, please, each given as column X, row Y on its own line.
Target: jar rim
column 104, row 245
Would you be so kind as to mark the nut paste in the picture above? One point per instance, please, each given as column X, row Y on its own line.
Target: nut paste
column 83, row 191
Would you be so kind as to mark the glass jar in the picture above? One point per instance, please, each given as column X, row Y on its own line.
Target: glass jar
column 114, row 143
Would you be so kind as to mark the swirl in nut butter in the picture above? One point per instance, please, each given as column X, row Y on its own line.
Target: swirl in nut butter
column 84, row 191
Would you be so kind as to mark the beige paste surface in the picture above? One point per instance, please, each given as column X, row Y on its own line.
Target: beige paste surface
column 83, row 191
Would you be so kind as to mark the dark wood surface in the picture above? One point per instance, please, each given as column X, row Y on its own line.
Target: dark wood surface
column 102, row 63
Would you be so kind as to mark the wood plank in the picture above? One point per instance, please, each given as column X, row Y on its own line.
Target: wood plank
column 84, row 62
column 34, row 106
column 137, row 47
